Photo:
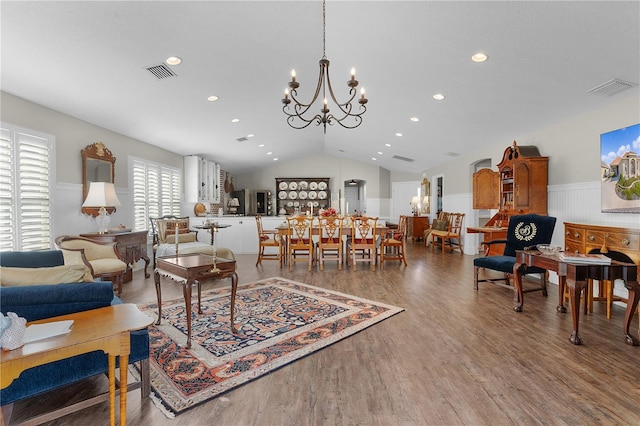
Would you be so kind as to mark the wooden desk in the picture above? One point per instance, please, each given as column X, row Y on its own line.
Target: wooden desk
column 188, row 269
column 490, row 233
column 575, row 275
column 132, row 246
column 105, row 329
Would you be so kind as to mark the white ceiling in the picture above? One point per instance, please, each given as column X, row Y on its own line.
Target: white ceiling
column 89, row 60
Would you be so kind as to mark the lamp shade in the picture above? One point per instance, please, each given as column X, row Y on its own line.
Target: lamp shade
column 415, row 200
column 234, row 202
column 101, row 194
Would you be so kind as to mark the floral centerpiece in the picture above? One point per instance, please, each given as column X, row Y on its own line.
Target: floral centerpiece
column 329, row 212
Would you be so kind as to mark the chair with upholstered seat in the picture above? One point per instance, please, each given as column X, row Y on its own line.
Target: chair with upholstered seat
column 268, row 240
column 329, row 245
column 524, row 231
column 101, row 257
column 450, row 237
column 362, row 244
column 300, row 247
column 164, row 237
column 392, row 245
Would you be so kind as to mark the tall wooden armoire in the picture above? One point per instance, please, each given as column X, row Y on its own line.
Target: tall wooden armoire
column 518, row 187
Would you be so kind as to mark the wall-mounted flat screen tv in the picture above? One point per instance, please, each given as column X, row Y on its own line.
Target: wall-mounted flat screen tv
column 620, row 170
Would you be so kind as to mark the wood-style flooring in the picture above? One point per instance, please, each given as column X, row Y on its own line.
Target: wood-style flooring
column 454, row 357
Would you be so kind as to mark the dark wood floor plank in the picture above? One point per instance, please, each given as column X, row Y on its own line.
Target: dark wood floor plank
column 455, row 356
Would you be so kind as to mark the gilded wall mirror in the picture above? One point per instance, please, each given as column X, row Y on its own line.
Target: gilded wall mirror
column 425, row 188
column 98, row 165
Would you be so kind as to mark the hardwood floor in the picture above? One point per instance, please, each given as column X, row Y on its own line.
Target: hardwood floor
column 455, row 357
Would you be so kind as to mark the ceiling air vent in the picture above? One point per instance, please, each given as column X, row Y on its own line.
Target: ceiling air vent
column 408, row 160
column 452, row 154
column 242, row 139
column 161, row 71
column 612, row 87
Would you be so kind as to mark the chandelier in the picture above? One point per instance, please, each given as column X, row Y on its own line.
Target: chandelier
column 345, row 115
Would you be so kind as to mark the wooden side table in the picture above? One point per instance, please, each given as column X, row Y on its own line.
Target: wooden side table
column 105, row 329
column 189, row 269
column 132, row 246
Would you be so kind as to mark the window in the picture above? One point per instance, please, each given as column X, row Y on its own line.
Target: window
column 156, row 191
column 26, row 176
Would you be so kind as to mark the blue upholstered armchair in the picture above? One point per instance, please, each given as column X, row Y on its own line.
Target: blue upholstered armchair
column 524, row 231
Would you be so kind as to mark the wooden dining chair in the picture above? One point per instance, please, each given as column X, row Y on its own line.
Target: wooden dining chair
column 329, row 245
column 362, row 242
column 392, row 244
column 268, row 240
column 300, row 245
column 452, row 236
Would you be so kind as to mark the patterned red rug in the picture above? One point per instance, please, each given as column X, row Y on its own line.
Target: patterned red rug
column 278, row 321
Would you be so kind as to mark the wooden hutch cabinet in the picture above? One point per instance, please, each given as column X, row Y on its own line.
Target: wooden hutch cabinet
column 518, row 187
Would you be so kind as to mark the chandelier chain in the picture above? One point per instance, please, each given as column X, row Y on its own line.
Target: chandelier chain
column 324, row 30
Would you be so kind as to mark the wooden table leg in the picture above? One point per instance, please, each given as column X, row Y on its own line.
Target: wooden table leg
column 575, row 289
column 124, row 367
column 186, row 290
column 562, row 283
column 112, row 388
column 234, row 288
column 632, row 303
column 518, row 269
column 156, row 279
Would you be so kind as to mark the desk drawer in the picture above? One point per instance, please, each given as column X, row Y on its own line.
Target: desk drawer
column 574, row 234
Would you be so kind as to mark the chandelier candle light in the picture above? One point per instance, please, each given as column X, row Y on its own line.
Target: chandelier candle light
column 297, row 119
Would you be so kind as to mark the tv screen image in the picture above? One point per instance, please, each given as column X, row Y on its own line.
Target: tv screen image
column 620, row 170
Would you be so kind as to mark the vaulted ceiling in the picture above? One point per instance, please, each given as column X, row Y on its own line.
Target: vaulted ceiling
column 91, row 59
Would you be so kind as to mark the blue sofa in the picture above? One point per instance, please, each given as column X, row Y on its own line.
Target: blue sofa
column 45, row 301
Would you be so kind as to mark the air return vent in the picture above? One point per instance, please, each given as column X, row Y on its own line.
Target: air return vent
column 161, row 71
column 242, row 139
column 408, row 160
column 612, row 87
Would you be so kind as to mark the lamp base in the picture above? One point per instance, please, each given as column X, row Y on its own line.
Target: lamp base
column 102, row 220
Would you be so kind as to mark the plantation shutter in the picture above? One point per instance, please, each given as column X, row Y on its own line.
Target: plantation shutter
column 156, row 192
column 25, row 191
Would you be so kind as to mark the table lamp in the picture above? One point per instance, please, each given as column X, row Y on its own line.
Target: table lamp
column 234, row 203
column 101, row 195
column 415, row 204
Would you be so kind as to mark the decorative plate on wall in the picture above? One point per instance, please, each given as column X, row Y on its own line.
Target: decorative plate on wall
column 293, row 195
column 282, row 195
column 322, row 195
column 283, row 185
column 313, row 195
column 303, row 185
column 313, row 186
column 322, row 186
column 302, row 195
column 293, row 186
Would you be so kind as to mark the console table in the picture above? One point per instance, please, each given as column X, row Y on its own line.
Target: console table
column 106, row 329
column 132, row 246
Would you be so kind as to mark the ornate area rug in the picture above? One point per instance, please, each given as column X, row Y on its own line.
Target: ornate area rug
column 278, row 321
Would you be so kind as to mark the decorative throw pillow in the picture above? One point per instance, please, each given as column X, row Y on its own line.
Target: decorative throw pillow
column 441, row 225
column 63, row 274
column 74, row 257
column 182, row 238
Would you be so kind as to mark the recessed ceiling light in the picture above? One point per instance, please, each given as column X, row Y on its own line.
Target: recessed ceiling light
column 250, row 135
column 212, row 98
column 275, row 159
column 261, row 145
column 379, row 153
column 387, row 144
column 479, row 57
column 438, row 96
column 269, row 153
column 415, row 119
column 173, row 60
column 374, row 158
column 235, row 120
column 399, row 135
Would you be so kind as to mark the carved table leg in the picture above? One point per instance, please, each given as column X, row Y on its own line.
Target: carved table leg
column 632, row 304
column 146, row 264
column 156, row 279
column 518, row 269
column 234, row 288
column 562, row 283
column 186, row 290
column 575, row 289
